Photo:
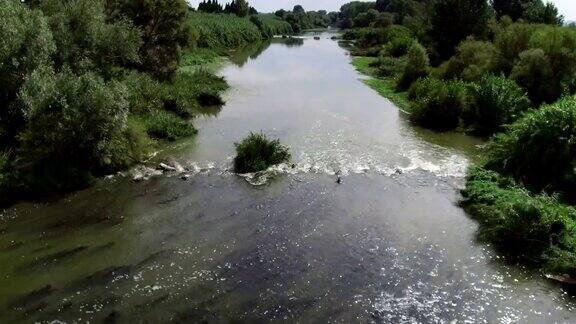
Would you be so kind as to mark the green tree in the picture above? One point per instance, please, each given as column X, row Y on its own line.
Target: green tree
column 26, row 44
column 86, row 41
column 165, row 31
column 242, row 8
column 538, row 12
column 511, row 8
column 454, row 20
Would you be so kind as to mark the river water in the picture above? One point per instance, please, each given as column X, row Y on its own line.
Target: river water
column 388, row 244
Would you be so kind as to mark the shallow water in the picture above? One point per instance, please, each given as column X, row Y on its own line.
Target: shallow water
column 389, row 244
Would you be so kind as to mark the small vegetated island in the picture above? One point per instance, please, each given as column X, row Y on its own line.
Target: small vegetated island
column 503, row 70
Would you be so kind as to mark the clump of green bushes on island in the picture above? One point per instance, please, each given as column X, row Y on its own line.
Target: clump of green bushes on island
column 257, row 153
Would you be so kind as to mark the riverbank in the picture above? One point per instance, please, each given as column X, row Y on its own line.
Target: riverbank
column 136, row 108
column 385, row 86
column 532, row 224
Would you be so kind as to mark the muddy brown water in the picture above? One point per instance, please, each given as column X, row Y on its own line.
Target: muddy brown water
column 388, row 244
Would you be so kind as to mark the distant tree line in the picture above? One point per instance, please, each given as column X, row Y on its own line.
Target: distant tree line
column 241, row 8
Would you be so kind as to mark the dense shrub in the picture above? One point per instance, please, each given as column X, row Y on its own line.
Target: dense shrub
column 510, row 41
column 390, row 66
column 439, row 104
column 369, row 37
column 256, row 153
column 71, row 121
column 128, row 147
column 399, row 46
column 87, row 41
column 144, row 92
column 499, row 101
column 473, row 59
column 164, row 125
column 26, row 43
column 539, row 150
column 416, row 66
column 538, row 228
column 548, row 69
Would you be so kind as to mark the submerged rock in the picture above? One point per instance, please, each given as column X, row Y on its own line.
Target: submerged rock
column 142, row 173
column 166, row 167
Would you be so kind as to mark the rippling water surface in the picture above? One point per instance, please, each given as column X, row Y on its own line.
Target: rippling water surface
column 388, row 244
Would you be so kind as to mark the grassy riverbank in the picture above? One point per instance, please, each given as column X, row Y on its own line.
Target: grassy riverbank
column 385, row 86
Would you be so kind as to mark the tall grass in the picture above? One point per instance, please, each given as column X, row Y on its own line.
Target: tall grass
column 256, row 153
column 272, row 25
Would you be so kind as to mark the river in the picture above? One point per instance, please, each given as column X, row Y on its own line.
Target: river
column 388, row 244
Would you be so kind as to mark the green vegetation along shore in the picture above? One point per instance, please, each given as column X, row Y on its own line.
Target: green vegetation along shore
column 92, row 87
column 500, row 70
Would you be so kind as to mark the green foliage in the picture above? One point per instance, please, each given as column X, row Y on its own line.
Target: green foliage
column 539, row 229
column 354, row 8
column 452, row 21
column 26, row 44
column 4, row 172
column 188, row 91
column 166, row 126
column 71, row 121
column 548, row 69
column 416, row 66
column 86, row 41
column 511, row 8
column 499, row 101
column 270, row 25
column 128, row 147
column 240, row 8
column 144, row 92
column 538, row 12
column 473, row 59
column 390, row 66
column 365, row 19
column 439, row 104
column 219, row 31
column 539, row 149
column 166, row 31
column 399, row 46
column 510, row 41
column 370, row 37
column 257, row 153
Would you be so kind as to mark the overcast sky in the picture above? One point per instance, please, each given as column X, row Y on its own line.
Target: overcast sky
column 567, row 7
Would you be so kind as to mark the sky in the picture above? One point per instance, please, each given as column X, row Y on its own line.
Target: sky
column 566, row 7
